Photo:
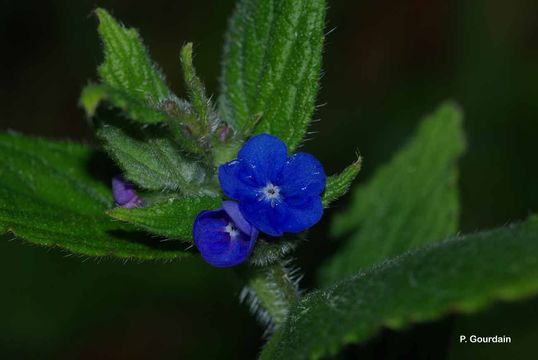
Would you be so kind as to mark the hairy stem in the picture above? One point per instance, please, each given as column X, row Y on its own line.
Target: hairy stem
column 270, row 292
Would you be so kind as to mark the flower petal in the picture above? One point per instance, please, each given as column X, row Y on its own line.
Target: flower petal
column 262, row 215
column 216, row 245
column 302, row 213
column 303, row 175
column 266, row 154
column 237, row 180
column 124, row 193
column 232, row 210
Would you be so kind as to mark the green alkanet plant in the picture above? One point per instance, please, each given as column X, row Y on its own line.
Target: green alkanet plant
column 227, row 176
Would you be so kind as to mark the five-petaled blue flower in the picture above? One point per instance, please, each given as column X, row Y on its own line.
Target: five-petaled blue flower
column 223, row 237
column 276, row 193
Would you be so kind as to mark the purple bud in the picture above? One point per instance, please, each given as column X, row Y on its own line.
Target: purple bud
column 124, row 193
column 223, row 237
column 223, row 133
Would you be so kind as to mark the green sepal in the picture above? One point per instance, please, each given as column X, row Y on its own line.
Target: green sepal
column 268, row 252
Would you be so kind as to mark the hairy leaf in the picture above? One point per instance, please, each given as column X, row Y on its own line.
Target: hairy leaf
column 93, row 95
column 272, row 62
column 153, row 161
column 338, row 185
column 411, row 201
column 49, row 197
column 172, row 219
column 128, row 69
column 463, row 274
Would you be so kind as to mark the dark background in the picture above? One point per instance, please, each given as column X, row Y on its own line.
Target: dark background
column 386, row 65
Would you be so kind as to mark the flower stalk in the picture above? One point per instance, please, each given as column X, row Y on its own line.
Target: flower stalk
column 270, row 293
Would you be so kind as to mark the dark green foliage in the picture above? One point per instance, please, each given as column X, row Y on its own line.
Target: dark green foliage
column 420, row 285
column 49, row 197
column 271, row 67
column 172, row 218
column 411, row 201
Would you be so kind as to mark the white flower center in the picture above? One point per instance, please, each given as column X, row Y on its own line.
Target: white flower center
column 232, row 230
column 270, row 193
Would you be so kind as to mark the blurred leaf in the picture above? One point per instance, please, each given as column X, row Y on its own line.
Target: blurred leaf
column 172, row 219
column 92, row 96
column 464, row 274
column 153, row 161
column 271, row 67
column 338, row 185
column 411, row 201
column 128, row 69
column 48, row 197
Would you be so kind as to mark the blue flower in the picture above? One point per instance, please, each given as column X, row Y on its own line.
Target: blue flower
column 277, row 193
column 124, row 193
column 223, row 237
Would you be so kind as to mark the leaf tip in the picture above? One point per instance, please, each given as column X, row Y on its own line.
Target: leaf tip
column 186, row 50
column 103, row 16
column 90, row 98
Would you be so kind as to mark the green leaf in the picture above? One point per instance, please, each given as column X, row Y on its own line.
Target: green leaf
column 411, row 201
column 152, row 160
column 93, row 95
column 128, row 70
column 338, row 185
column 464, row 274
column 49, row 197
column 271, row 68
column 172, row 219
